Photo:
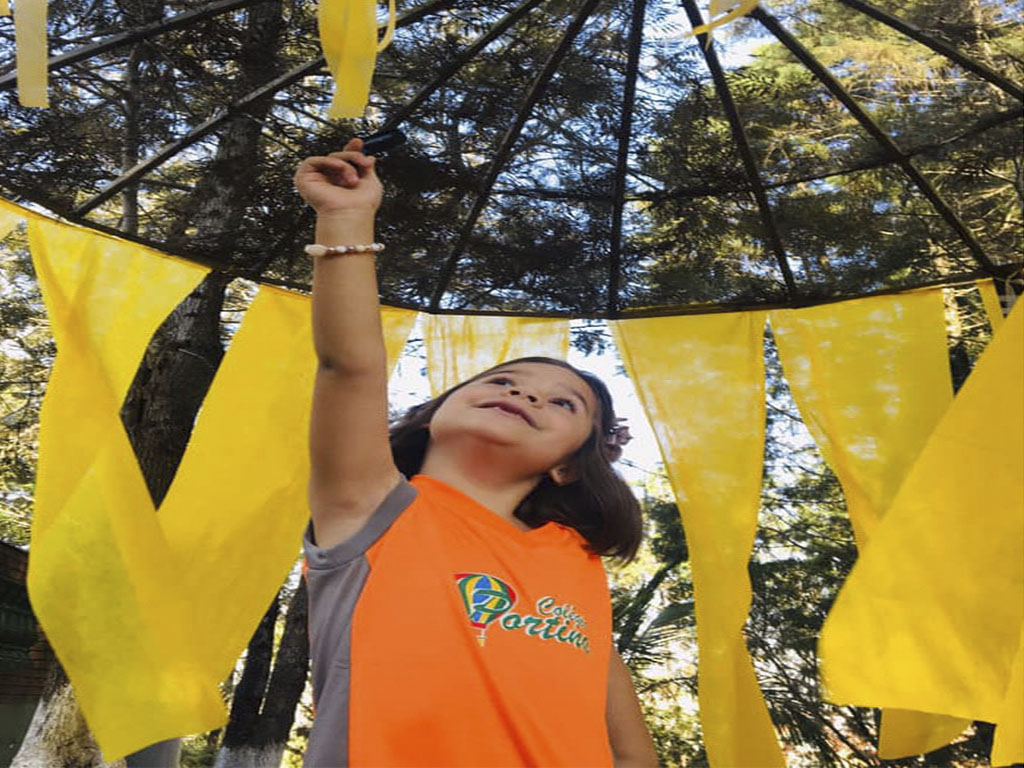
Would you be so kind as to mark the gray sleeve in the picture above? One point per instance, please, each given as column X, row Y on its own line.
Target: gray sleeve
column 335, row 577
column 394, row 504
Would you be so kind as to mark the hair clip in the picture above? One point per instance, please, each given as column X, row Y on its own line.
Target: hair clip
column 617, row 436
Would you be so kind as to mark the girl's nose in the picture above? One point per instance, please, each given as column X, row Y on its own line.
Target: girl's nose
column 531, row 398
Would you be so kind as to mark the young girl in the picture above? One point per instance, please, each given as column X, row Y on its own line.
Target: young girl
column 459, row 617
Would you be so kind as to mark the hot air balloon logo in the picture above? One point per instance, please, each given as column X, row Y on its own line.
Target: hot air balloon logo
column 486, row 598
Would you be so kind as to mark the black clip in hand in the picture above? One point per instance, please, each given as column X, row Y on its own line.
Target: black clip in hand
column 379, row 143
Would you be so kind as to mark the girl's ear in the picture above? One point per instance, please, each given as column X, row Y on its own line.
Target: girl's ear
column 564, row 474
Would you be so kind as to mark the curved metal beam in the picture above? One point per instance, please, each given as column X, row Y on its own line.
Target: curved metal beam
column 505, row 149
column 134, row 35
column 161, row 26
column 168, row 151
column 986, row 123
column 208, row 126
column 625, row 134
column 951, row 53
column 887, row 143
column 746, row 154
column 963, row 278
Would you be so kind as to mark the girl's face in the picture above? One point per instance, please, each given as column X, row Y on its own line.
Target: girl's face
column 542, row 413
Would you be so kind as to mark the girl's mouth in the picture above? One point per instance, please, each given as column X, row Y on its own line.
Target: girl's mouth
column 510, row 411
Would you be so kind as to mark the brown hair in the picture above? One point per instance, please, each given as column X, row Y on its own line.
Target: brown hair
column 599, row 504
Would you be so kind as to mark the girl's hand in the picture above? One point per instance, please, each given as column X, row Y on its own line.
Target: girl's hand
column 340, row 183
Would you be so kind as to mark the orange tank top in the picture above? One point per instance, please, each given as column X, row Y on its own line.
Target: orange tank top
column 471, row 642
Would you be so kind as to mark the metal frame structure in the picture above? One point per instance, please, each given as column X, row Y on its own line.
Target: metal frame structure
column 756, row 186
column 504, row 149
column 884, row 140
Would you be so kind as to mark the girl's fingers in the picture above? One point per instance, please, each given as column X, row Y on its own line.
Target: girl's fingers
column 334, row 167
column 342, row 169
column 357, row 158
column 354, row 158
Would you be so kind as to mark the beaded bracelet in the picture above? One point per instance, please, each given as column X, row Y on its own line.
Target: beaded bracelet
column 342, row 250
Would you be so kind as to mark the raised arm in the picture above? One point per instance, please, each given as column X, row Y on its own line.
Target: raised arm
column 351, row 465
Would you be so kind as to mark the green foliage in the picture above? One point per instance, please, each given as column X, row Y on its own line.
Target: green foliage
column 198, row 752
column 674, row 729
column 26, row 354
column 849, row 233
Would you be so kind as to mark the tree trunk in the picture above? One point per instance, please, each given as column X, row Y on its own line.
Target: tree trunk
column 132, row 139
column 217, row 205
column 172, row 381
column 262, row 714
column 245, row 704
column 288, row 680
column 136, row 103
column 58, row 735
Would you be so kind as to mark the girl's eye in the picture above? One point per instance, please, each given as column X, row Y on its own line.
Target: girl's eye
column 563, row 402
column 501, row 380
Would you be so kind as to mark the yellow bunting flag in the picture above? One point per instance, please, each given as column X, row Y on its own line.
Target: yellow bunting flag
column 237, row 507
column 101, row 577
column 10, row 217
column 930, row 617
column 701, row 381
column 459, row 347
column 30, row 54
column 722, row 12
column 990, row 300
column 871, row 379
column 348, row 36
column 116, row 585
column 1008, row 745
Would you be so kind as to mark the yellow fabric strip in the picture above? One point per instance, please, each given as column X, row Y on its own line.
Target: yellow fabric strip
column 717, row 6
column 348, row 36
column 5, row 8
column 903, row 733
column 990, row 300
column 244, row 475
column 30, row 57
column 701, row 380
column 101, row 577
column 459, row 347
column 115, row 584
column 104, row 299
column 871, row 379
column 1008, row 746
column 396, row 323
column 930, row 617
column 237, row 507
